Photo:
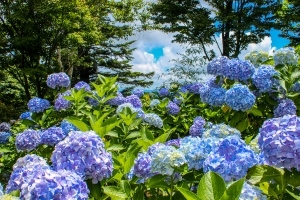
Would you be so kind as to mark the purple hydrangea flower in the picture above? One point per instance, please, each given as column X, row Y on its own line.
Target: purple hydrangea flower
column 142, row 166
column 154, row 120
column 231, row 159
column 154, row 102
column 279, row 141
column 285, row 107
column 25, row 115
column 134, row 100
column 28, row 140
column 93, row 101
column 163, row 92
column 218, row 66
column 52, row 136
column 82, row 84
column 38, row 105
column 4, row 136
column 138, row 92
column 296, row 87
column 5, row 127
column 174, row 142
column 61, row 103
column 286, row 56
column 178, row 99
column 172, row 108
column 263, row 78
column 58, row 80
column 117, row 100
column 83, row 153
column 153, row 147
column 67, row 127
column 198, row 126
column 239, row 97
column 194, row 88
column 239, row 70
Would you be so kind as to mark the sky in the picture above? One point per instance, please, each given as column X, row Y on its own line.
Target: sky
column 155, row 52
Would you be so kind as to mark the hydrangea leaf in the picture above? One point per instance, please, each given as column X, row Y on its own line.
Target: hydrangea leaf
column 267, row 189
column 133, row 134
column 188, row 194
column 116, row 147
column 263, row 173
column 157, row 181
column 79, row 124
column 211, row 186
column 292, row 177
column 243, row 125
column 114, row 192
column 255, row 112
column 163, row 138
column 234, row 190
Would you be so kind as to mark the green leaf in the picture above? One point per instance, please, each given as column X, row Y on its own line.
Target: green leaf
column 211, row 186
column 157, row 181
column 28, row 122
column 130, row 157
column 135, row 123
column 139, row 192
column 292, row 177
column 188, row 194
column 243, row 125
column 267, row 189
column 236, row 118
column 112, row 134
column 255, row 112
column 293, row 195
column 94, row 189
column 5, row 150
column 115, row 147
column 263, row 173
column 234, row 190
column 146, row 134
column 79, row 124
column 163, row 138
column 114, row 192
column 134, row 134
column 126, row 187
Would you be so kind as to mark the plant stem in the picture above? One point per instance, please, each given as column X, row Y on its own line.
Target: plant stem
column 171, row 192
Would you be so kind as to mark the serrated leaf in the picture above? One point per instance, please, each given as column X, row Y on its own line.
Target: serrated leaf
column 293, row 195
column 157, row 181
column 126, row 187
column 211, row 186
column 188, row 194
column 243, row 125
column 234, row 190
column 115, row 147
column 263, row 173
column 114, row 192
column 255, row 112
column 133, row 134
column 135, row 123
column 163, row 138
column 267, row 189
column 112, row 134
column 292, row 177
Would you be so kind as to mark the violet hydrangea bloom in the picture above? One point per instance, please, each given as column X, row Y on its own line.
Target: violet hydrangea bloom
column 285, row 107
column 67, row 127
column 296, row 87
column 239, row 70
column 118, row 100
column 231, row 159
column 134, row 100
column 218, row 66
column 58, row 80
column 5, row 127
column 154, row 120
column 38, row 105
column 153, row 147
column 194, row 88
column 279, row 141
column 172, row 108
column 221, row 131
column 62, row 103
column 82, row 84
column 142, row 166
column 174, row 142
column 198, row 126
column 163, row 92
column 28, row 140
column 52, row 136
column 83, row 153
column 285, row 56
column 4, row 136
column 263, row 78
column 239, row 97
column 138, row 92
column 178, row 99
column 25, row 115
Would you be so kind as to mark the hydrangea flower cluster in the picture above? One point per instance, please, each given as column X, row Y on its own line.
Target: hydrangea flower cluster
column 251, row 192
column 138, row 92
column 212, row 96
column 25, row 115
column 118, row 100
column 218, row 65
column 163, row 92
column 154, row 120
column 154, row 102
column 263, row 78
column 153, row 147
column 239, row 70
column 1, row 190
column 61, row 103
column 140, row 112
column 92, row 101
column 165, row 158
column 82, row 84
column 196, row 150
column 5, row 127
column 67, row 127
column 231, row 159
column 28, row 140
column 4, row 136
column 194, row 88
column 172, row 108
column 285, row 107
column 178, row 99
column 198, row 126
column 279, row 141
column 257, row 57
column 212, row 82
column 174, row 142
column 296, row 87
column 38, row 105
column 52, row 136
column 285, row 56
column 239, row 97
column 184, row 88
column 134, row 100
column 58, row 80
column 83, row 153
column 221, row 131
column 142, row 166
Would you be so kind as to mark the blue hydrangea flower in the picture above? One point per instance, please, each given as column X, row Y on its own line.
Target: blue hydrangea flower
column 67, row 127
column 165, row 158
column 1, row 190
column 38, row 105
column 196, row 150
column 212, row 82
column 174, row 142
column 142, row 166
column 198, row 126
column 134, row 100
column 218, row 66
column 52, row 136
column 231, row 159
column 239, row 97
column 172, row 108
column 154, row 102
column 83, row 153
column 239, row 70
column 263, row 78
column 163, row 92
column 212, row 96
column 28, row 140
column 5, row 127
column 184, row 88
column 140, row 112
column 285, row 107
column 257, row 57
column 279, row 141
column 194, row 88
column 178, row 99
column 61, row 103
column 118, row 100
column 58, row 80
column 25, row 115
column 153, row 147
column 221, row 131
column 296, row 87
column 286, row 56
column 176, row 178
column 82, row 84
column 250, row 192
column 4, row 136
column 154, row 120
column 138, row 92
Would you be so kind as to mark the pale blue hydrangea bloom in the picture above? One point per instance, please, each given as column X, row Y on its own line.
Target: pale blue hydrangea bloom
column 296, row 87
column 154, row 102
column 38, row 105
column 154, row 120
column 239, row 97
column 212, row 96
column 1, row 190
column 4, row 136
column 263, row 78
column 250, row 192
column 58, row 80
column 285, row 107
column 257, row 57
column 28, row 140
column 221, row 131
column 212, row 82
column 286, row 56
